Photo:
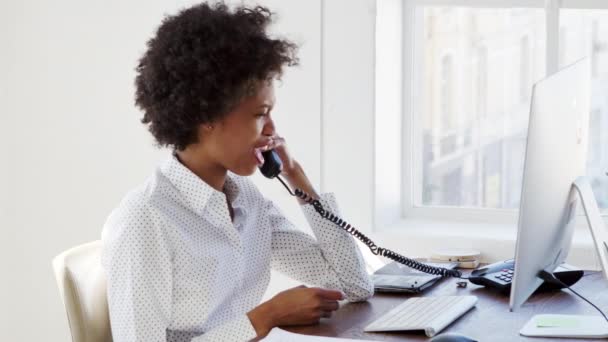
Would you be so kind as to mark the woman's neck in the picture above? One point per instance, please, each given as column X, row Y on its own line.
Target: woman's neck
column 203, row 166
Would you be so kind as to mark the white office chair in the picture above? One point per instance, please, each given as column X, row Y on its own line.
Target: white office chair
column 82, row 286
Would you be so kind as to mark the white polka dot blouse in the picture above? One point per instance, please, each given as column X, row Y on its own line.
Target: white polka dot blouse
column 179, row 268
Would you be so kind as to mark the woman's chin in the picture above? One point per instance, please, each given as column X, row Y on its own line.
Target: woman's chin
column 245, row 170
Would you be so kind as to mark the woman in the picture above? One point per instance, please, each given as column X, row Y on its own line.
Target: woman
column 188, row 254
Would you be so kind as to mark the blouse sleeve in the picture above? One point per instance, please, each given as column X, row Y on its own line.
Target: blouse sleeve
column 330, row 259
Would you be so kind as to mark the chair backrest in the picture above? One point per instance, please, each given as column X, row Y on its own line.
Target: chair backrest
column 82, row 286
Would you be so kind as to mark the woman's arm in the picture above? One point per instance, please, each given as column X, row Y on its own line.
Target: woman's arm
column 137, row 263
column 333, row 260
column 297, row 180
column 297, row 306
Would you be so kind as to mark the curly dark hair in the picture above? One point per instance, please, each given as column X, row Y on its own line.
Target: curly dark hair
column 201, row 63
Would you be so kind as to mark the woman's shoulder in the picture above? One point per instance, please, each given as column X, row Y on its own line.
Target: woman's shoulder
column 140, row 197
column 133, row 225
column 134, row 211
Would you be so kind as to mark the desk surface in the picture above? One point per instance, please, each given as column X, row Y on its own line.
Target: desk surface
column 490, row 320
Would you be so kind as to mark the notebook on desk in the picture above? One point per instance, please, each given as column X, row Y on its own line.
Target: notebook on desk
column 395, row 277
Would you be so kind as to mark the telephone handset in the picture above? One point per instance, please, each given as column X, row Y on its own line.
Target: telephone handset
column 272, row 164
column 272, row 168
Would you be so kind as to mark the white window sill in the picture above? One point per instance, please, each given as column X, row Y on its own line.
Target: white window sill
column 418, row 238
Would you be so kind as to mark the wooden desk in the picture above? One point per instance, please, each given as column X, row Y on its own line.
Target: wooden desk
column 490, row 320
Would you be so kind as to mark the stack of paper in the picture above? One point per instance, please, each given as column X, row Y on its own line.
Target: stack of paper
column 280, row 335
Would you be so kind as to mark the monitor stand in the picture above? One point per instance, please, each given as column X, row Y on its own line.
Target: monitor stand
column 578, row 326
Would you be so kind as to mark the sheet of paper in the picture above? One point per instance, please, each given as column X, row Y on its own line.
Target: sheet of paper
column 280, row 335
column 557, row 322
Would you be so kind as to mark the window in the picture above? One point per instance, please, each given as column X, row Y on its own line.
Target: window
column 446, row 84
column 494, row 85
column 472, row 71
column 524, row 69
column 482, row 81
column 590, row 38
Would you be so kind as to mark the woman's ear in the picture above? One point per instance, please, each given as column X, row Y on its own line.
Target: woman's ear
column 204, row 131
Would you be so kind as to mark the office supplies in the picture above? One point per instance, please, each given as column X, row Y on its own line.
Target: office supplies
column 430, row 314
column 455, row 254
column 489, row 321
column 468, row 264
column 459, row 263
column 395, row 277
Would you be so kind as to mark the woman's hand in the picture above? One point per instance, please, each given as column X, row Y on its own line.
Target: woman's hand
column 297, row 306
column 291, row 169
column 302, row 305
column 278, row 144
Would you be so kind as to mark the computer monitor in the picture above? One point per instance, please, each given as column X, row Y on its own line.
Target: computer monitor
column 555, row 157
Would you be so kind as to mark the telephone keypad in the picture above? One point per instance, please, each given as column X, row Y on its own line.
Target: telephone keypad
column 506, row 275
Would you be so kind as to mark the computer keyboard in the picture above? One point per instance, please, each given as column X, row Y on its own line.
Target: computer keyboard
column 431, row 314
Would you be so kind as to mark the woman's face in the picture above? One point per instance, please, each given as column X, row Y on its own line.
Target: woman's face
column 235, row 138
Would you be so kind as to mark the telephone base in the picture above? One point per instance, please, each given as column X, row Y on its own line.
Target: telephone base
column 499, row 275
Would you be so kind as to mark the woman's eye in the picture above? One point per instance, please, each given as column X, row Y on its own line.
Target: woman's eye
column 260, row 115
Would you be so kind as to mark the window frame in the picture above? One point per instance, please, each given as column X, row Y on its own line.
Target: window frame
column 411, row 186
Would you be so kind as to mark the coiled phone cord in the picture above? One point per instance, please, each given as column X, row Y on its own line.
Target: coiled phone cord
column 376, row 250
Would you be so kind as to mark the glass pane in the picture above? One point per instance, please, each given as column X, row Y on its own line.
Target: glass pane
column 475, row 69
column 585, row 33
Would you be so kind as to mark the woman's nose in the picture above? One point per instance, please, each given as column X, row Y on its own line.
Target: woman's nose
column 269, row 129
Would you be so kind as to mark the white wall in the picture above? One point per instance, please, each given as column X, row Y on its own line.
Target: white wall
column 71, row 144
column 348, row 106
column 75, row 144
column 3, row 163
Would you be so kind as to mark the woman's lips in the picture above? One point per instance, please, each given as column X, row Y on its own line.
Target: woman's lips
column 258, row 148
column 258, row 155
